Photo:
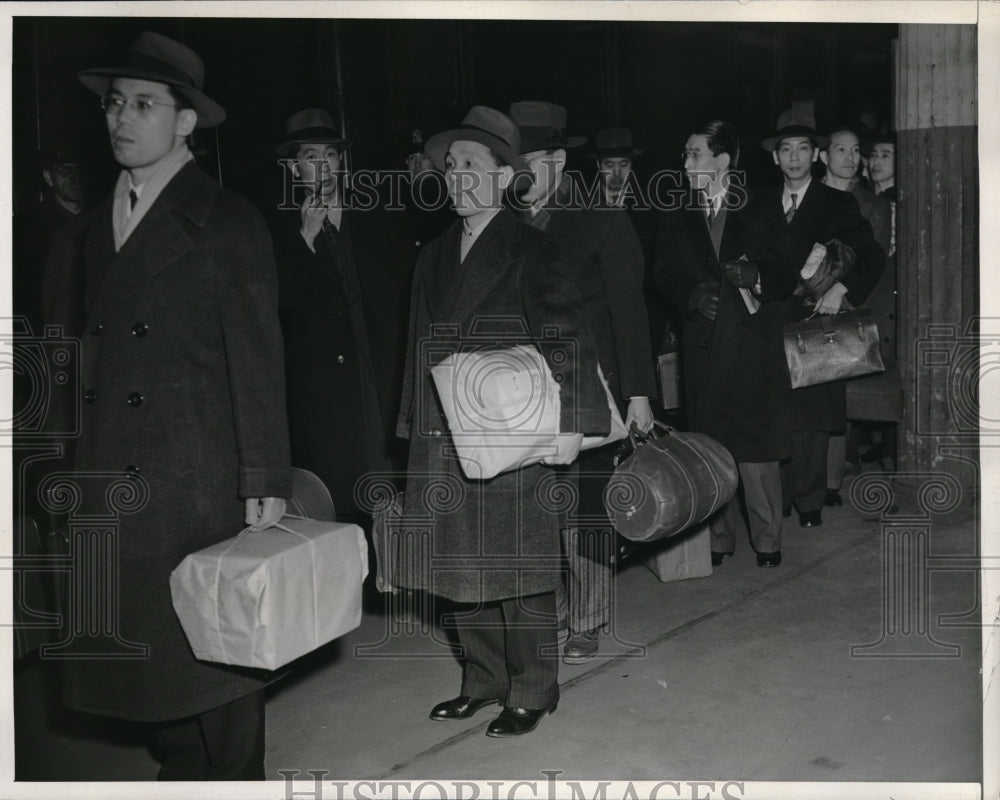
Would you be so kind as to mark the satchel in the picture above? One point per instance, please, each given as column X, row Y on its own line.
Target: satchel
column 670, row 483
column 832, row 347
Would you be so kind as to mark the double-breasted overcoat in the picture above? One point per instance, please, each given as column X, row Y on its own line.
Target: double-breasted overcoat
column 183, row 388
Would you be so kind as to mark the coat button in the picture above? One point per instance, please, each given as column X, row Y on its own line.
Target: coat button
column 90, row 395
column 886, row 339
column 140, row 329
column 340, row 359
column 96, row 330
column 135, row 399
column 436, row 432
column 132, row 470
column 705, row 345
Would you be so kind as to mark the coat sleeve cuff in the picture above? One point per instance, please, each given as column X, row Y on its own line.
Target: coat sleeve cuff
column 263, row 482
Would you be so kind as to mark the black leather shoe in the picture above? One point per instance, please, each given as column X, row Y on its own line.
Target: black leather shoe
column 769, row 559
column 580, row 647
column 833, row 498
column 515, row 721
column 462, row 707
column 717, row 557
column 811, row 519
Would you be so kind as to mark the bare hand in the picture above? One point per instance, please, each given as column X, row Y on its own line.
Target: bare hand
column 640, row 412
column 263, row 512
column 313, row 212
column 832, row 300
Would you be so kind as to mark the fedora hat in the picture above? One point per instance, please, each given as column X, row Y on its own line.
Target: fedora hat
column 542, row 126
column 877, row 138
column 614, row 143
column 154, row 57
column 791, row 132
column 484, row 125
column 310, row 125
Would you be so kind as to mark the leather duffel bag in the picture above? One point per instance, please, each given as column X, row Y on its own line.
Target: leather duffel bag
column 672, row 481
column 832, row 347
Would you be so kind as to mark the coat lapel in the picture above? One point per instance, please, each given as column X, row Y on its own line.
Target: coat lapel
column 484, row 267
column 159, row 240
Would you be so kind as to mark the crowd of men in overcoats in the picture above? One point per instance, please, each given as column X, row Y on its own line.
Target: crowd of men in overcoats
column 206, row 329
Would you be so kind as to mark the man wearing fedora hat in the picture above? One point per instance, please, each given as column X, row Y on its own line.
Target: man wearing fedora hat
column 602, row 249
column 795, row 216
column 183, row 394
column 490, row 281
column 343, row 292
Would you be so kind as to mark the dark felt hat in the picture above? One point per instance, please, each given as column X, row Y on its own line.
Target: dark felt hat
column 793, row 132
column 310, row 125
column 486, row 126
column 615, row 143
column 154, row 57
column 542, row 126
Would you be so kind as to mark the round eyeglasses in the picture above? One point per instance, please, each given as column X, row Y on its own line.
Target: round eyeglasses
column 114, row 104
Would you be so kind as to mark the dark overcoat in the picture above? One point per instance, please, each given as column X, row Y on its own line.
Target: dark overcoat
column 344, row 349
column 497, row 538
column 183, row 385
column 734, row 369
column 600, row 248
column 823, row 214
column 882, row 301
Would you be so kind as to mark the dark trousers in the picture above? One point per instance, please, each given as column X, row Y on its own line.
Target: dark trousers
column 761, row 485
column 803, row 478
column 510, row 651
column 222, row 744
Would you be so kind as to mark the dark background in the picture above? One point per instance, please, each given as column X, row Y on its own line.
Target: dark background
column 657, row 78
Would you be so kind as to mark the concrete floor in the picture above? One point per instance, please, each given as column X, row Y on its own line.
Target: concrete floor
column 747, row 674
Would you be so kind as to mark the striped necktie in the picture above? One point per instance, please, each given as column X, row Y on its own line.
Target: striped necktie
column 792, row 208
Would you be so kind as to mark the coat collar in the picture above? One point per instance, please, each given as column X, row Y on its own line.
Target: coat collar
column 160, row 239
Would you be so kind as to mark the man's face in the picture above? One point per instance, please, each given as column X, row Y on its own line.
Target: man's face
column 614, row 172
column 316, row 165
column 795, row 157
column 66, row 180
column 475, row 182
column 546, row 167
column 142, row 134
column 704, row 171
column 882, row 162
column 843, row 155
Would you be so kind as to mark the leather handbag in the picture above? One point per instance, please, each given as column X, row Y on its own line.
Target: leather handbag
column 671, row 482
column 832, row 347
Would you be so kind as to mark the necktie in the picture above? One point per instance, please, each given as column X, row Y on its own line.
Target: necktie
column 331, row 232
column 791, row 209
column 133, row 198
column 711, row 215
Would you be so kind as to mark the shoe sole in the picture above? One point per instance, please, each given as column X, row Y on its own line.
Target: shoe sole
column 578, row 659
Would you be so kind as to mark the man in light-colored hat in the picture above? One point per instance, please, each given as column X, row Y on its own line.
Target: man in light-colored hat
column 490, row 281
column 183, row 399
column 343, row 300
column 600, row 245
column 799, row 214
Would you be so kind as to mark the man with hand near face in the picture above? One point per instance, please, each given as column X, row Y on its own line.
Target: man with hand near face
column 183, row 390
column 343, row 298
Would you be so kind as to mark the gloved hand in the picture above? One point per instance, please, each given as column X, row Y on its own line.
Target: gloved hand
column 741, row 274
column 705, row 299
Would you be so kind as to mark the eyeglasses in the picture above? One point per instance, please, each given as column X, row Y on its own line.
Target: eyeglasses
column 114, row 104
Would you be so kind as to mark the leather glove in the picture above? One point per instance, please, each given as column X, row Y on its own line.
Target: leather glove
column 705, row 299
column 741, row 274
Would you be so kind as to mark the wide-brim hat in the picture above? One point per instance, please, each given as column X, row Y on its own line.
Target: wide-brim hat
column 792, row 132
column 542, row 126
column 488, row 127
column 312, row 125
column 614, row 143
column 154, row 57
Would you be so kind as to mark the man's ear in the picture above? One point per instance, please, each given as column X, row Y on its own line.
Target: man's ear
column 774, row 155
column 47, row 176
column 728, row 161
column 559, row 157
column 816, row 155
column 824, row 158
column 506, row 176
column 187, row 119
